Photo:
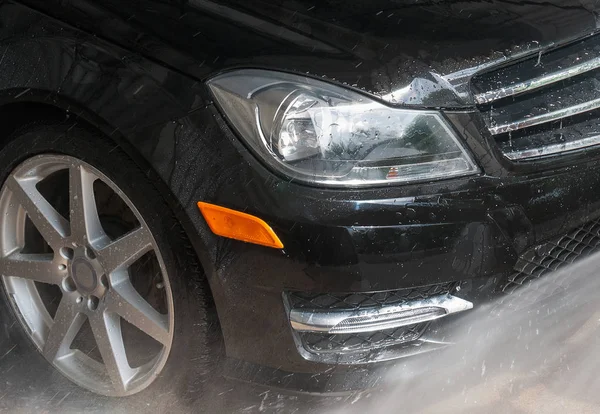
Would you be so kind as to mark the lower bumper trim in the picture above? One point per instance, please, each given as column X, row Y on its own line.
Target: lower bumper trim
column 377, row 318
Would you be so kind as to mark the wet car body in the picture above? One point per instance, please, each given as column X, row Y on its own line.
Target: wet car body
column 137, row 71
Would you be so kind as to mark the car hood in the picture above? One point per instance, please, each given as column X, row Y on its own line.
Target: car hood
column 407, row 52
column 422, row 53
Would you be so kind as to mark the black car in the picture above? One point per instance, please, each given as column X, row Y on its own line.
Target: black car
column 288, row 192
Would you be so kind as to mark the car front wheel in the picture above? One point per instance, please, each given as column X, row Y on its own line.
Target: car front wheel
column 95, row 268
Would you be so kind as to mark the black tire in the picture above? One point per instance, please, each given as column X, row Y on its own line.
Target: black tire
column 195, row 350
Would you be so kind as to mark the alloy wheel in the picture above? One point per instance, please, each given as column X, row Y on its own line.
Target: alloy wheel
column 91, row 272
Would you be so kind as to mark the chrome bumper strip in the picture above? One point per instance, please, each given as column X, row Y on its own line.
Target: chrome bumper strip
column 378, row 318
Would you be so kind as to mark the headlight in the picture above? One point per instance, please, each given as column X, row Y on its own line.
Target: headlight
column 323, row 134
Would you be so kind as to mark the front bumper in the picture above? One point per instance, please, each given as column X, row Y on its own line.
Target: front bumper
column 475, row 233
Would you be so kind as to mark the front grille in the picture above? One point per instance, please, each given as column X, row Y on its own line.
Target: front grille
column 361, row 300
column 545, row 104
column 554, row 254
column 366, row 341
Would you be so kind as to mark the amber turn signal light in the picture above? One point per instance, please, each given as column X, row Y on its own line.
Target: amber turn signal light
column 239, row 226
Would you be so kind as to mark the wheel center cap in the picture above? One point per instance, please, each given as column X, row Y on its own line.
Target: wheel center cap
column 84, row 275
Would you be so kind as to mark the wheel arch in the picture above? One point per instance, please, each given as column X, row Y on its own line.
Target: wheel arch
column 17, row 114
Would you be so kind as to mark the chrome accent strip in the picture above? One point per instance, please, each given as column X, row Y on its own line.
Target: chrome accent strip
column 539, row 82
column 553, row 149
column 550, row 116
column 366, row 356
column 374, row 319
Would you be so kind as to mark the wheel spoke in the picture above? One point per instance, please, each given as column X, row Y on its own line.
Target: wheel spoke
column 52, row 226
column 124, row 300
column 107, row 332
column 66, row 325
column 124, row 251
column 85, row 222
column 36, row 267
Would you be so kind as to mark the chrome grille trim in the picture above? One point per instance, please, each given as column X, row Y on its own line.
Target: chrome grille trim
column 548, row 117
column 546, row 104
column 553, row 149
column 536, row 83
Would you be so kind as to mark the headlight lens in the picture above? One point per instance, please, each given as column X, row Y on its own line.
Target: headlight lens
column 323, row 134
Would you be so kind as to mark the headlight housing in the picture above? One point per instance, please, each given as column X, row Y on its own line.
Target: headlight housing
column 323, row 134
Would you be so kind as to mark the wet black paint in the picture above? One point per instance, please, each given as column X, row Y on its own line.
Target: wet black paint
column 135, row 70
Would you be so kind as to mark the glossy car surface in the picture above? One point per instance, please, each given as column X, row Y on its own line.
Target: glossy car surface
column 137, row 72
